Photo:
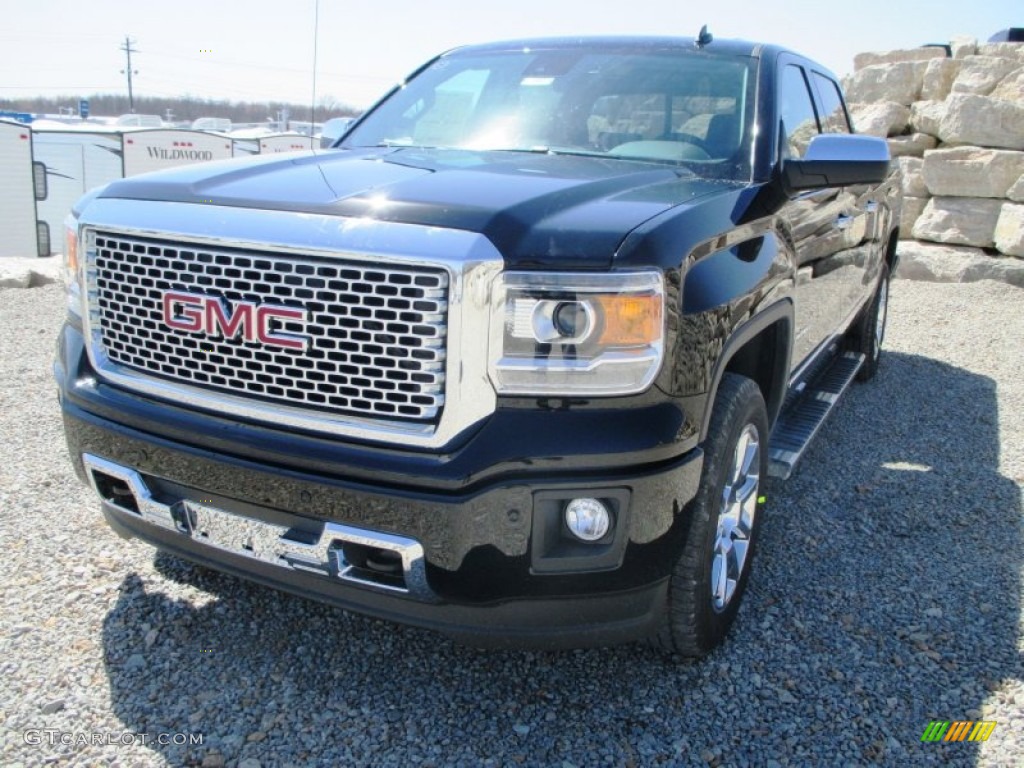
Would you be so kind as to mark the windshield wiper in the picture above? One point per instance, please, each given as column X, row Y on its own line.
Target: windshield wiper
column 389, row 144
column 540, row 150
column 577, row 152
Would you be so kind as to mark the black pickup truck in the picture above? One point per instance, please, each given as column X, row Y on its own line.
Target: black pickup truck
column 511, row 360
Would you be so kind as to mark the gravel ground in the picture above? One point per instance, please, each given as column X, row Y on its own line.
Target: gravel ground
column 887, row 594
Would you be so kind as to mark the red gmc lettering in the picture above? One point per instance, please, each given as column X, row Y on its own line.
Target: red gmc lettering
column 191, row 317
column 279, row 339
column 229, row 326
column 196, row 313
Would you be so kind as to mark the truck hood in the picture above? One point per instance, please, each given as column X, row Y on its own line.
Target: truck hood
column 553, row 211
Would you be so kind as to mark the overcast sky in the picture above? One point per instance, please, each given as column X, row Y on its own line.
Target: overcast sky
column 259, row 50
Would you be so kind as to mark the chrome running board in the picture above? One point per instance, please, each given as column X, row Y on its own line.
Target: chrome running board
column 797, row 427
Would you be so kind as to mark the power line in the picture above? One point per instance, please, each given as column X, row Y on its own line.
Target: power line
column 128, row 51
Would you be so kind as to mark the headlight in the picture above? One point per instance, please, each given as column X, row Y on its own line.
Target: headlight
column 72, row 273
column 576, row 334
column 73, row 268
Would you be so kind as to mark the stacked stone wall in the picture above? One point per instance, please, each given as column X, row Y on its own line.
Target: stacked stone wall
column 955, row 125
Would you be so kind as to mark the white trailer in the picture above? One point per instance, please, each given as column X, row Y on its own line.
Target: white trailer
column 285, row 142
column 259, row 141
column 77, row 159
column 153, row 150
column 244, row 147
column 19, row 188
column 74, row 161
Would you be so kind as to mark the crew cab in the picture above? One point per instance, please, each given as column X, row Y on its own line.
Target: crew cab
column 512, row 360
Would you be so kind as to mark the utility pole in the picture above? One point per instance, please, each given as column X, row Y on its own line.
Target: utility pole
column 128, row 51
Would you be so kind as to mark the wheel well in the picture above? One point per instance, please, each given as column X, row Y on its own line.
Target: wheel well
column 764, row 359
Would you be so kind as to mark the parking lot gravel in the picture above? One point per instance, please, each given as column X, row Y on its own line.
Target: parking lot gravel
column 887, row 594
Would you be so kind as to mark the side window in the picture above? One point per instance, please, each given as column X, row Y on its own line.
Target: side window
column 796, row 112
column 834, row 117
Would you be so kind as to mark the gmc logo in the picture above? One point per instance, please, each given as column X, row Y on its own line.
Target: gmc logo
column 208, row 315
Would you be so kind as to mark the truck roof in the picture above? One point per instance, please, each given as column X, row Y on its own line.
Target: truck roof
column 733, row 47
column 728, row 47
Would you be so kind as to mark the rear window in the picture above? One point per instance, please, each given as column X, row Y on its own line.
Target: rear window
column 797, row 117
column 834, row 119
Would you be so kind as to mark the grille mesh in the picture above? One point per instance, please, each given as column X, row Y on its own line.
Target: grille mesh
column 376, row 333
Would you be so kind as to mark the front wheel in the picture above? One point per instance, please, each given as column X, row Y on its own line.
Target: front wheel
column 709, row 579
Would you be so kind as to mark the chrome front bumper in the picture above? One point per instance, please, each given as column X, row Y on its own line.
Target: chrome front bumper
column 401, row 566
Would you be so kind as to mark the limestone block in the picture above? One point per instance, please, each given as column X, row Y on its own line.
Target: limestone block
column 938, row 79
column 925, row 116
column 1003, row 50
column 1009, row 233
column 1016, row 192
column 913, row 207
column 912, row 180
column 913, row 145
column 963, row 46
column 1011, row 87
column 870, row 59
column 959, row 221
column 900, row 82
column 883, row 119
column 981, row 74
column 982, row 121
column 951, row 264
column 971, row 171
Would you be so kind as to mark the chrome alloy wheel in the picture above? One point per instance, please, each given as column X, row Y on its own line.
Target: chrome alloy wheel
column 880, row 316
column 736, row 518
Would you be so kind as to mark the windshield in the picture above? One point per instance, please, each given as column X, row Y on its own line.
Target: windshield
column 676, row 106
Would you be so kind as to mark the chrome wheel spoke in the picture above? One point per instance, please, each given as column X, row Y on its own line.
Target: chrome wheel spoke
column 723, row 545
column 720, row 578
column 746, row 500
column 736, row 513
column 746, row 452
column 739, row 555
column 727, row 502
column 728, row 587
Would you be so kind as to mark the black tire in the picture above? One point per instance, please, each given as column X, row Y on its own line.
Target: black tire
column 694, row 621
column 868, row 334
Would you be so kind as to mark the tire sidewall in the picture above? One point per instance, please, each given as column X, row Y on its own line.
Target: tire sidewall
column 713, row 624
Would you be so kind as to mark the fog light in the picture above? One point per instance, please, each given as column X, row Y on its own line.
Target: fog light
column 587, row 519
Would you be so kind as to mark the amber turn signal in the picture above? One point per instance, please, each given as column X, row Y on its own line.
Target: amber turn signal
column 630, row 320
column 71, row 249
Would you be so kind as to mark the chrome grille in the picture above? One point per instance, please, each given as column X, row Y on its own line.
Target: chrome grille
column 376, row 331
